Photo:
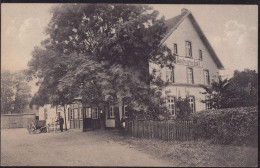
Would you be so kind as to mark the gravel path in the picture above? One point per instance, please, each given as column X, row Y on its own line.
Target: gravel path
column 71, row 148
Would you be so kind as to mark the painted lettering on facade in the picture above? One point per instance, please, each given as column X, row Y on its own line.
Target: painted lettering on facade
column 188, row 62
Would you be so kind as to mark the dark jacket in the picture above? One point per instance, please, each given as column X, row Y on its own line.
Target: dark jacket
column 61, row 120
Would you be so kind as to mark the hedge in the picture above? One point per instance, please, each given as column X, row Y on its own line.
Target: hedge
column 228, row 126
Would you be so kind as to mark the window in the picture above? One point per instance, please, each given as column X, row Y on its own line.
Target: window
column 171, row 105
column 88, row 112
column 190, row 75
column 95, row 113
column 192, row 103
column 170, row 74
column 206, row 77
column 188, row 49
column 71, row 113
column 175, row 49
column 125, row 110
column 200, row 54
column 76, row 115
column 111, row 112
column 81, row 113
column 207, row 103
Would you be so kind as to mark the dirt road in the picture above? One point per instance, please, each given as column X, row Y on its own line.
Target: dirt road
column 71, row 148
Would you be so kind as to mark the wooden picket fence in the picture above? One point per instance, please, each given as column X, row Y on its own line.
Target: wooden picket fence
column 164, row 130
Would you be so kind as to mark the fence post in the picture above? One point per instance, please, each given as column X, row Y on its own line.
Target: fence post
column 185, row 130
column 180, row 131
column 168, row 131
column 152, row 126
column 155, row 129
column 149, row 130
column 137, row 128
column 144, row 129
column 160, row 130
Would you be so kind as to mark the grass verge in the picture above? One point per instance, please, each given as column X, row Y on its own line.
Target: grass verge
column 193, row 153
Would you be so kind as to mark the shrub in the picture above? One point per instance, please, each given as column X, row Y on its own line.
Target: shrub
column 227, row 126
column 183, row 109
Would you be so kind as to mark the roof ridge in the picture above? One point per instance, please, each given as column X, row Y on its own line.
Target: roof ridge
column 180, row 18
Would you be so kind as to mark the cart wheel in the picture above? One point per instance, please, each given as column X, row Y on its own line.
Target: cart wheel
column 42, row 129
column 34, row 131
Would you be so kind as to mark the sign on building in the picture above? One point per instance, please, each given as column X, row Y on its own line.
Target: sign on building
column 188, row 62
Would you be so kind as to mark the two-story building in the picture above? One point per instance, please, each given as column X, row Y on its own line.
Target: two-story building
column 196, row 62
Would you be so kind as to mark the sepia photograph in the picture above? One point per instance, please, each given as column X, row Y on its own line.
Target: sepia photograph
column 136, row 85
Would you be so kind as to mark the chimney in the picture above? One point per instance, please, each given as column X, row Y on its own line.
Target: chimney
column 184, row 10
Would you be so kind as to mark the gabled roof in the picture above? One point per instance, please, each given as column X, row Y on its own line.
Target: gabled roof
column 174, row 22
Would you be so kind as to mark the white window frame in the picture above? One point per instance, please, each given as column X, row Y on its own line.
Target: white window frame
column 111, row 111
column 125, row 110
column 94, row 115
column 206, row 77
column 71, row 113
column 188, row 49
column 190, row 76
column 81, row 114
column 88, row 112
column 207, row 104
column 170, row 102
column 170, row 74
column 76, row 113
column 192, row 103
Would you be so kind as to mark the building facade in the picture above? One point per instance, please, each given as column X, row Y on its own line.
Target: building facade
column 196, row 62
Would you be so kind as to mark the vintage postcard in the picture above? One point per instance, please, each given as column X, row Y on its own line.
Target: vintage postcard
column 113, row 84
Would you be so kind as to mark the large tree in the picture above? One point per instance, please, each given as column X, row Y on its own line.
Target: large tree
column 7, row 92
column 15, row 92
column 245, row 85
column 95, row 50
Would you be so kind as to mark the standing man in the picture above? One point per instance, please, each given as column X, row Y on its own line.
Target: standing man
column 61, row 121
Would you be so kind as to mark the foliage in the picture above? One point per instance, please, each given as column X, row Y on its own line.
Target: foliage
column 227, row 126
column 217, row 92
column 7, row 93
column 15, row 92
column 244, row 77
column 94, row 50
column 233, row 92
column 245, row 86
column 183, row 109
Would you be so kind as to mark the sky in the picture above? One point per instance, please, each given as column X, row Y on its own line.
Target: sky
column 232, row 31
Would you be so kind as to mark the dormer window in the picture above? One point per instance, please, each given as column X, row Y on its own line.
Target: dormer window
column 188, row 49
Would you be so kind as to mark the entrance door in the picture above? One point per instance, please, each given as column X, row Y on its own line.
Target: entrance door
column 95, row 118
column 87, row 119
